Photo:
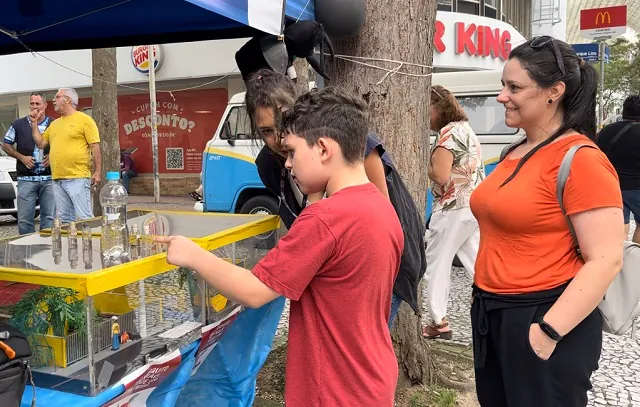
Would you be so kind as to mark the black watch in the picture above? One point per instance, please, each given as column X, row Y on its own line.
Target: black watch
column 549, row 331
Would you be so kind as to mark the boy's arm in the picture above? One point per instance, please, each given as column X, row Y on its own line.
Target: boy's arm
column 235, row 283
column 286, row 270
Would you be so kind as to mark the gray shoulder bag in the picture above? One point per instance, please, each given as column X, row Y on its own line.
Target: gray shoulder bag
column 620, row 306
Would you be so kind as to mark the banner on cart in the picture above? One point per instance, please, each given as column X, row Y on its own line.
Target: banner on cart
column 211, row 335
column 140, row 385
column 265, row 15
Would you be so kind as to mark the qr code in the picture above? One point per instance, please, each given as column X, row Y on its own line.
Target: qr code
column 175, row 158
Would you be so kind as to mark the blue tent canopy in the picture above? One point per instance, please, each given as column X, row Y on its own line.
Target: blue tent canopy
column 50, row 25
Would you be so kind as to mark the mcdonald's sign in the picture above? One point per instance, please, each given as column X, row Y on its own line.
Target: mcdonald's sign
column 603, row 23
column 602, row 17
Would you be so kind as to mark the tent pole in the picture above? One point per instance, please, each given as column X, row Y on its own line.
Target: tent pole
column 154, row 125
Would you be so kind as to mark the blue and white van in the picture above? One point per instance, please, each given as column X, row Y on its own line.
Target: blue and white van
column 230, row 178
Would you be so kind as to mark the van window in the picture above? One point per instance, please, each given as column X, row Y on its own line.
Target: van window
column 237, row 125
column 486, row 115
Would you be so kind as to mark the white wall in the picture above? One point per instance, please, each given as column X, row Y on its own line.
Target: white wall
column 22, row 73
column 555, row 29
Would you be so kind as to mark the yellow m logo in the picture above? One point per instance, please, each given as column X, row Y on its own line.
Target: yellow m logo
column 602, row 16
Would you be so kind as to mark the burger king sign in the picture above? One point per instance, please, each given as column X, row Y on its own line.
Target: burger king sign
column 140, row 57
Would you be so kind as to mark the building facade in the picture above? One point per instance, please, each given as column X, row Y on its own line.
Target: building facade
column 195, row 81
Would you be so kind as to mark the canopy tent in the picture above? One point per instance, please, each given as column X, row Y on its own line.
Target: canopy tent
column 51, row 25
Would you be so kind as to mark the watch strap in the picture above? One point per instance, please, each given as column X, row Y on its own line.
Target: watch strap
column 549, row 331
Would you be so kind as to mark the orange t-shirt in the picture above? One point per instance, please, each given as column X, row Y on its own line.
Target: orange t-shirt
column 525, row 243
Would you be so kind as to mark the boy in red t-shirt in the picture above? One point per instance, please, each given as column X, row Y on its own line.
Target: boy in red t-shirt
column 337, row 263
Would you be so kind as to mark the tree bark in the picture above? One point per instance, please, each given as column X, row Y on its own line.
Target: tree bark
column 105, row 113
column 302, row 70
column 400, row 30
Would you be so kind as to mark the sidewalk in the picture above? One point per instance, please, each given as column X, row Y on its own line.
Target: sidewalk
column 181, row 203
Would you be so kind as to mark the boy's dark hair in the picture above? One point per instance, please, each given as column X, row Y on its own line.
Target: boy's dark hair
column 631, row 108
column 332, row 113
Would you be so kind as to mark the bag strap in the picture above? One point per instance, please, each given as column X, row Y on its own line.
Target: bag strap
column 510, row 148
column 618, row 135
column 561, row 183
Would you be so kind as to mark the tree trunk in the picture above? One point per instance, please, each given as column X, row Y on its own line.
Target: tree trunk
column 399, row 30
column 105, row 113
column 302, row 70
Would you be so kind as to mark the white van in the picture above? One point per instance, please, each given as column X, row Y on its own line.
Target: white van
column 230, row 179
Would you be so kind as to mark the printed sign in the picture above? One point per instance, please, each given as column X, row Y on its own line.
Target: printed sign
column 140, row 384
column 589, row 52
column 140, row 58
column 186, row 122
column 603, row 23
column 211, row 335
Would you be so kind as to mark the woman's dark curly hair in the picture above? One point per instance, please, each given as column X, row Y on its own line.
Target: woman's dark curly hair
column 268, row 89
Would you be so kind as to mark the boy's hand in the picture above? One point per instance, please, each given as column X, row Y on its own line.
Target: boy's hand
column 180, row 251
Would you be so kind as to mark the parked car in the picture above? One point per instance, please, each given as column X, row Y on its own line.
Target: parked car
column 9, row 186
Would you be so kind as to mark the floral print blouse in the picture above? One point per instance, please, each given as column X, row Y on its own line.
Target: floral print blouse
column 467, row 170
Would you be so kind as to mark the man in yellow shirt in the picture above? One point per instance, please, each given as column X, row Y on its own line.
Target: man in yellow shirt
column 73, row 139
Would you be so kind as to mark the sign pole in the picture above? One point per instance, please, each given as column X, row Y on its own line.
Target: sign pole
column 154, row 125
column 601, row 103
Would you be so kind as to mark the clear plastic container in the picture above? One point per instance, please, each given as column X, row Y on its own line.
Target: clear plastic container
column 115, row 233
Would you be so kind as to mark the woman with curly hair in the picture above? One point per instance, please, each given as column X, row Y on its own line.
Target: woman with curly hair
column 455, row 169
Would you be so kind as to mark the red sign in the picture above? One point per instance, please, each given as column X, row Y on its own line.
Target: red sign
column 186, row 122
column 475, row 40
column 605, row 17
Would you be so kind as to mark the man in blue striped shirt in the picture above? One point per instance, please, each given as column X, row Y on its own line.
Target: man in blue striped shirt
column 34, row 173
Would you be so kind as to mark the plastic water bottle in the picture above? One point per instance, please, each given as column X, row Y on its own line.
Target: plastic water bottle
column 115, row 233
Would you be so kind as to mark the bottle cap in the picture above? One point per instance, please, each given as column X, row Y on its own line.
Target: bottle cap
column 113, row 176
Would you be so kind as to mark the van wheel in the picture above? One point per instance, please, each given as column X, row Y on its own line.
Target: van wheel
column 262, row 205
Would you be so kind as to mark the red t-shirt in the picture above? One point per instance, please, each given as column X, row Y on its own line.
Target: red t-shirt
column 337, row 264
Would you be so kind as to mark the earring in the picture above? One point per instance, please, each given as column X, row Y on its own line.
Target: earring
column 550, row 101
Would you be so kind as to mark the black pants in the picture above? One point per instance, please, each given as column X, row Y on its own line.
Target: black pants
column 512, row 375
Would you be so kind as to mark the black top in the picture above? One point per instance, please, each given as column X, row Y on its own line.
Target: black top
column 270, row 166
column 624, row 154
column 25, row 145
column 413, row 263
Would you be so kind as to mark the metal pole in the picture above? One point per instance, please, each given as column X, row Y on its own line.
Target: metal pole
column 142, row 310
column 90, row 351
column 233, row 253
column 601, row 102
column 204, row 294
column 154, row 125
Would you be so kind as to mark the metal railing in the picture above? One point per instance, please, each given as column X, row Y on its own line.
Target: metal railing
column 76, row 343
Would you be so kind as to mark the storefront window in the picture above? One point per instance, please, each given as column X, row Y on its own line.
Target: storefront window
column 469, row 7
column 490, row 9
column 486, row 115
column 445, row 5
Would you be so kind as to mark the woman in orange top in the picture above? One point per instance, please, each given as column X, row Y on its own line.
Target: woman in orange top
column 536, row 328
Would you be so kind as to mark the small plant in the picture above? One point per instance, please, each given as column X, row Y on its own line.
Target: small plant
column 444, row 397
column 47, row 308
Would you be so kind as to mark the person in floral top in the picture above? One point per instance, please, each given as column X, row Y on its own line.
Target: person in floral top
column 455, row 169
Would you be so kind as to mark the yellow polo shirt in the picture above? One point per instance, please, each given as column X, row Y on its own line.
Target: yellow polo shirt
column 69, row 138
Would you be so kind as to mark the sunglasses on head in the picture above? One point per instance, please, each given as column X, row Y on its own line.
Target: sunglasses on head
column 541, row 42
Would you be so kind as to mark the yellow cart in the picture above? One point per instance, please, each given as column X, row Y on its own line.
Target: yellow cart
column 31, row 259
